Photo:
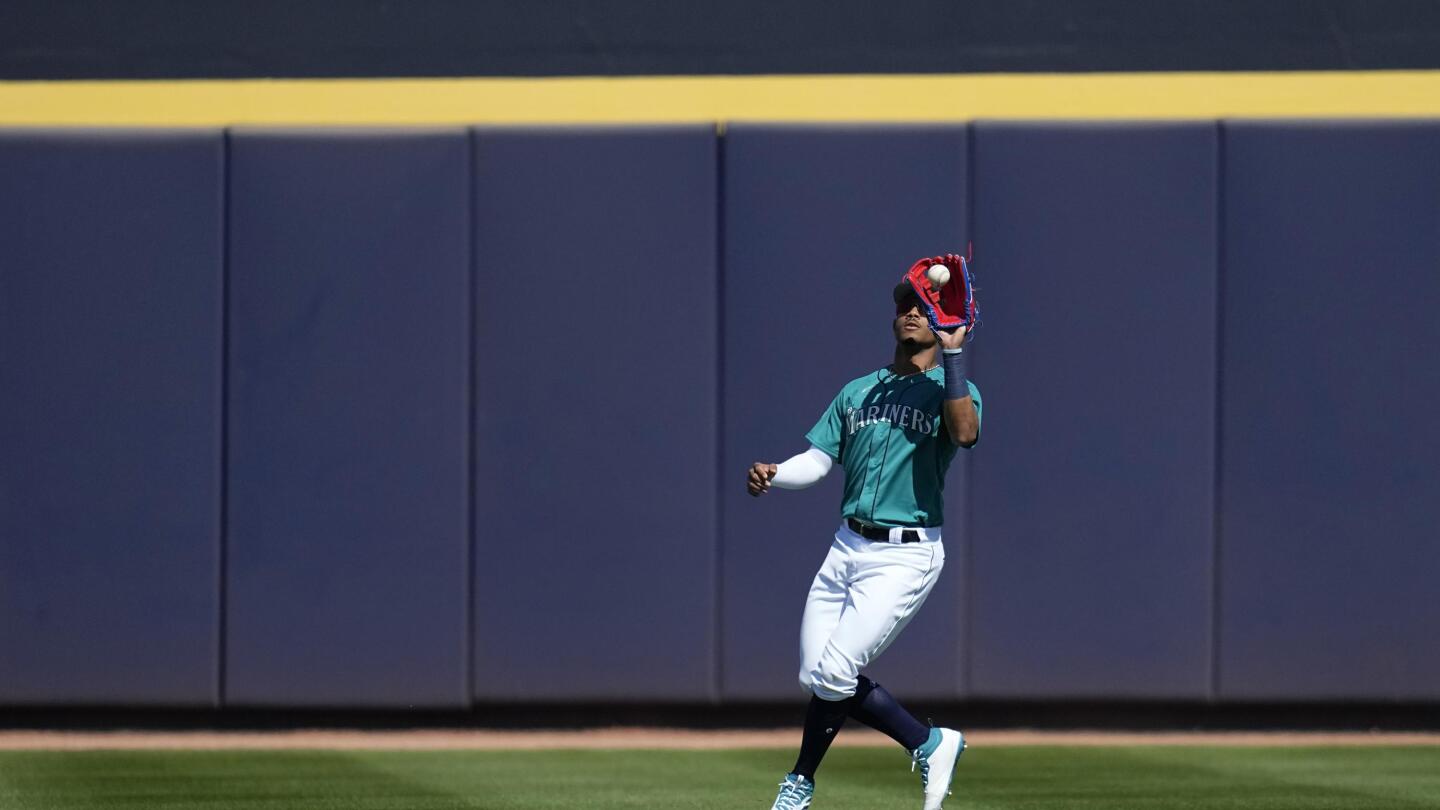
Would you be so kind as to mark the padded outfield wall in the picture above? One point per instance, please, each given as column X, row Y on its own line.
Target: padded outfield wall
column 394, row 418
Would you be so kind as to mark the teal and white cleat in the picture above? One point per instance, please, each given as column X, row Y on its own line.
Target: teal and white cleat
column 937, row 759
column 795, row 793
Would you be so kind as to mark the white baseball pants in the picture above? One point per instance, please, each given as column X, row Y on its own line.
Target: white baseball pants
column 863, row 596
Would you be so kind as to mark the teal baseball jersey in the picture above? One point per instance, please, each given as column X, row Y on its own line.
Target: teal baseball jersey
column 887, row 432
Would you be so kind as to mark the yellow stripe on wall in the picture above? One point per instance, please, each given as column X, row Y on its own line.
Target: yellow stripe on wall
column 720, row 98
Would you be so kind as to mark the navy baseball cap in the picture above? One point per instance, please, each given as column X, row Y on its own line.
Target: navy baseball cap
column 903, row 290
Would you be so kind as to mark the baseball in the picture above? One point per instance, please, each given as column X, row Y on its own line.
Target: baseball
column 939, row 276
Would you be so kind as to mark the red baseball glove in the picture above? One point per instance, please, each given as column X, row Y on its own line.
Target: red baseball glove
column 953, row 305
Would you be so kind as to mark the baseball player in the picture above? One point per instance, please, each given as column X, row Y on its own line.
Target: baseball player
column 895, row 432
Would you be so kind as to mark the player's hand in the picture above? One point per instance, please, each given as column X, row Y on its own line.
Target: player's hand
column 757, row 481
column 952, row 339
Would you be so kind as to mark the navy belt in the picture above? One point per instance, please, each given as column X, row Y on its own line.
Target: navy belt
column 877, row 533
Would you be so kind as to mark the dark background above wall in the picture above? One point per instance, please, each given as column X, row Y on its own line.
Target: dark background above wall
column 72, row 39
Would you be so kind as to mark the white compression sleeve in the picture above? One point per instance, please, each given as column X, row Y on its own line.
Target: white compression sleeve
column 804, row 470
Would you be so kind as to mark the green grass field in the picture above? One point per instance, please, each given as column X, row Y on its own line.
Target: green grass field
column 1012, row 778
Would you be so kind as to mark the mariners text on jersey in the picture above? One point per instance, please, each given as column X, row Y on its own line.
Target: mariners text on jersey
column 885, row 430
column 904, row 416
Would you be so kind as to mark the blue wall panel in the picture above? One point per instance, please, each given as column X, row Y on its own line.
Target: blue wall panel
column 1093, row 484
column 615, row 553
column 1331, row 491
column 820, row 224
column 595, row 368
column 348, row 418
column 110, row 280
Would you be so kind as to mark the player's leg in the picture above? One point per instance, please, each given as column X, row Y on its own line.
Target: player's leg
column 888, row 585
column 825, row 601
column 824, row 605
column 880, row 593
column 871, row 705
column 877, row 708
column 823, row 720
column 934, row 750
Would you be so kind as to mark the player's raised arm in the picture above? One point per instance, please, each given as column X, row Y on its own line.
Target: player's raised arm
column 962, row 422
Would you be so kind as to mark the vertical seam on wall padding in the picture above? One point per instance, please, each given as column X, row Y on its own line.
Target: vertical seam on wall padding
column 1217, row 479
column 471, row 274
column 1217, row 476
column 967, row 554
column 718, row 560
column 222, row 595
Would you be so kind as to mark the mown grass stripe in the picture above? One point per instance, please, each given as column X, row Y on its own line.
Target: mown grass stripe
column 1002, row 778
